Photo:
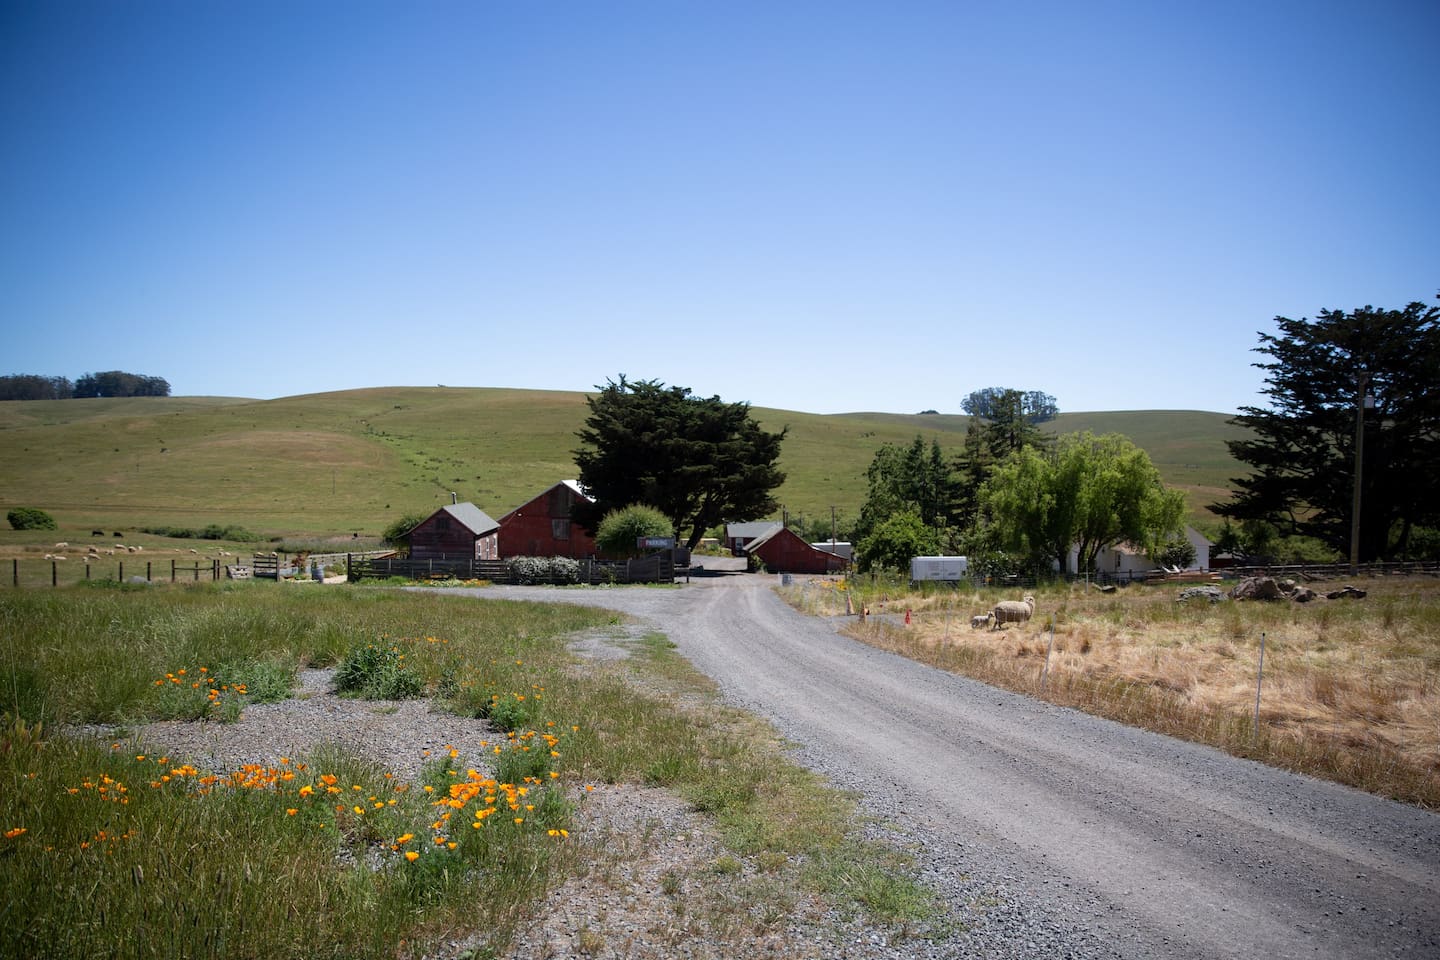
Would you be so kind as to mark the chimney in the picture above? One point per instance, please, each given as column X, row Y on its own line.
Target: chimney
column 454, row 497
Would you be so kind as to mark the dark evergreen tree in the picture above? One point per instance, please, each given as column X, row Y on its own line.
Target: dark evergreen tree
column 1302, row 449
column 29, row 386
column 699, row 461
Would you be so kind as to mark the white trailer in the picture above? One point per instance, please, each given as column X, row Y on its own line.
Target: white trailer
column 938, row 569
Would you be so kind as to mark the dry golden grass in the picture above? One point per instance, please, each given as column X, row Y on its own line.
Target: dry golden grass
column 1350, row 688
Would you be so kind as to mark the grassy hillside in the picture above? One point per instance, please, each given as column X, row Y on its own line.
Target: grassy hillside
column 352, row 461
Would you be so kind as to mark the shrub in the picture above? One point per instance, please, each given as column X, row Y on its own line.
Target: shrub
column 397, row 533
column 620, row 529
column 377, row 673
column 529, row 570
column 29, row 518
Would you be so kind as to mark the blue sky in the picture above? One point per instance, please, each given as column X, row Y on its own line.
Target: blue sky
column 824, row 207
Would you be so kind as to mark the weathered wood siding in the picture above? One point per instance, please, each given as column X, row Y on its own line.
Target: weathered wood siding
column 441, row 537
column 543, row 528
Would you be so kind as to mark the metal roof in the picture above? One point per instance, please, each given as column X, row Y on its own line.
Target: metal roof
column 474, row 519
column 751, row 530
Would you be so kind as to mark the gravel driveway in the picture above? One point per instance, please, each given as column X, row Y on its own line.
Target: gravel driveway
column 1082, row 837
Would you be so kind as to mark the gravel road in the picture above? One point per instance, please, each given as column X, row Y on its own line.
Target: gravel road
column 1084, row 838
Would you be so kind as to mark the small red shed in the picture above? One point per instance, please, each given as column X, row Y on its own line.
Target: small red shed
column 460, row 531
column 543, row 527
column 784, row 551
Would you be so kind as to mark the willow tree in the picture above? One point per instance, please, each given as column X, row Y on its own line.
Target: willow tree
column 1085, row 493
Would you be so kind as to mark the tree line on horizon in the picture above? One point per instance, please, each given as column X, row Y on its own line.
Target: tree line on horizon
column 110, row 383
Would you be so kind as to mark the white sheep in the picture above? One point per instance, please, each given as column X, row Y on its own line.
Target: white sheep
column 1013, row 611
column 62, row 545
column 979, row 620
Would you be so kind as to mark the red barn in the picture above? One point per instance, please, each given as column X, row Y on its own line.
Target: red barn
column 784, row 551
column 460, row 531
column 543, row 528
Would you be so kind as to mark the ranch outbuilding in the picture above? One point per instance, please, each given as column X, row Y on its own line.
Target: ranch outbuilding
column 458, row 531
column 784, row 551
column 543, row 526
column 737, row 535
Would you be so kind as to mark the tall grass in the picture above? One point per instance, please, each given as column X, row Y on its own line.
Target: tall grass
column 1350, row 689
column 110, row 851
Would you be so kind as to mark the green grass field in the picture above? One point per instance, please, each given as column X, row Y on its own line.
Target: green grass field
column 333, row 464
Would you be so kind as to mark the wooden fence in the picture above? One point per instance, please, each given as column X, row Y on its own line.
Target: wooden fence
column 659, row 569
column 196, row 571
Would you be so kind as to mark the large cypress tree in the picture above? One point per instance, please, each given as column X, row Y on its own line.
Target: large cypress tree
column 1302, row 449
column 698, row 460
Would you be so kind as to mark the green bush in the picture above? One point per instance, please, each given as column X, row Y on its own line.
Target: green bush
column 530, row 570
column 620, row 529
column 891, row 545
column 377, row 673
column 29, row 518
column 1177, row 552
column 396, row 534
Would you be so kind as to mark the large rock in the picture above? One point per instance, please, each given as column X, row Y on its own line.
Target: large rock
column 1257, row 588
column 1346, row 593
column 1213, row 594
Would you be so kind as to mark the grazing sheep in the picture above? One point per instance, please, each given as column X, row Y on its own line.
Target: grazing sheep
column 1012, row 611
column 979, row 620
column 61, row 545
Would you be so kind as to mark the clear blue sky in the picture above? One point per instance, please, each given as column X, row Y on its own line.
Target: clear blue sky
column 824, row 206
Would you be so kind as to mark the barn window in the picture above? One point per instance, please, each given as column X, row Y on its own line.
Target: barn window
column 442, row 523
column 560, row 529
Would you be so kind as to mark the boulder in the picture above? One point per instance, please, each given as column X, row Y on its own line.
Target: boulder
column 1347, row 593
column 1302, row 594
column 1213, row 594
column 1257, row 588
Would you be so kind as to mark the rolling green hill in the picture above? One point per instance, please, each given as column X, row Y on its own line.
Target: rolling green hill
column 353, row 461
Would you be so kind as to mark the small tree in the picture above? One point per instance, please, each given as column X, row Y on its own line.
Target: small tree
column 29, row 518
column 891, row 544
column 397, row 534
column 1086, row 494
column 1175, row 552
column 619, row 530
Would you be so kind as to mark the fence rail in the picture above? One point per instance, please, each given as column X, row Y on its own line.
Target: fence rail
column 646, row 570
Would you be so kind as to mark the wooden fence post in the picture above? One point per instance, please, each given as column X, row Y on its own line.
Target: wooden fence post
column 15, row 572
column 54, row 574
